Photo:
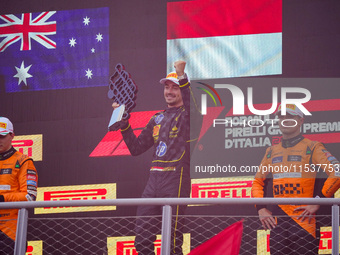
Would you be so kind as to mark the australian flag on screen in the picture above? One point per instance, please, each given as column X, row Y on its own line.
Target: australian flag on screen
column 54, row 49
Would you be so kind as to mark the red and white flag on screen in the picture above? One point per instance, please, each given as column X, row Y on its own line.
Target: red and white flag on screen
column 227, row 242
column 225, row 38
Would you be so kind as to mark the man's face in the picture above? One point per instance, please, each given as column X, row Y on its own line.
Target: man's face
column 6, row 142
column 290, row 125
column 172, row 94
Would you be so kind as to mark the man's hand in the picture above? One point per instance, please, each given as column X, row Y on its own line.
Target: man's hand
column 179, row 67
column 308, row 212
column 115, row 105
column 266, row 218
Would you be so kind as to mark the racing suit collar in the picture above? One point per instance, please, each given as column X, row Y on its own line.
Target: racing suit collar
column 292, row 141
column 7, row 154
column 173, row 109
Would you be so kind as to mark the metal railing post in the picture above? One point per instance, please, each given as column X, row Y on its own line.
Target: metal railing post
column 21, row 233
column 335, row 230
column 166, row 230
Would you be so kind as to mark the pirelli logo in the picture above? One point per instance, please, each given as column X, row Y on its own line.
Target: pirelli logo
column 325, row 245
column 263, row 242
column 79, row 192
column 30, row 145
column 34, row 248
column 124, row 245
column 237, row 187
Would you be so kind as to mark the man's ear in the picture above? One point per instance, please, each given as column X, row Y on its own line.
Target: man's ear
column 302, row 120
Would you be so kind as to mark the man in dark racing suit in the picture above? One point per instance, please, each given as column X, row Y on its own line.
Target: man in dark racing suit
column 168, row 132
column 294, row 164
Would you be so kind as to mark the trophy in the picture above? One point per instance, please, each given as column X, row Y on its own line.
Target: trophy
column 122, row 90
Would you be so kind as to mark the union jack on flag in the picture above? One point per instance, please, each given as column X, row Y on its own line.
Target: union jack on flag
column 25, row 29
column 54, row 49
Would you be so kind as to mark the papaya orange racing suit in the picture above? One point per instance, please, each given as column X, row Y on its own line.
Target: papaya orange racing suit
column 18, row 182
column 294, row 165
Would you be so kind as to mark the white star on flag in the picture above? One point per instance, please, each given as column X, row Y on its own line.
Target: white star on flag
column 22, row 73
column 99, row 37
column 72, row 42
column 88, row 73
column 93, row 50
column 86, row 21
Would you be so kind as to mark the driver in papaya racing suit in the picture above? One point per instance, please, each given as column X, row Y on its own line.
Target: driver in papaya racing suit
column 294, row 164
column 18, row 182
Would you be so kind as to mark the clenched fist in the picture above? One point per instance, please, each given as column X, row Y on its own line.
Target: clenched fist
column 179, row 67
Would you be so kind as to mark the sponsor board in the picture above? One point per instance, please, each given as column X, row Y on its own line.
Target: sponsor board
column 34, row 248
column 250, row 130
column 124, row 245
column 263, row 242
column 246, row 126
column 229, row 187
column 78, row 192
column 325, row 245
column 30, row 145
